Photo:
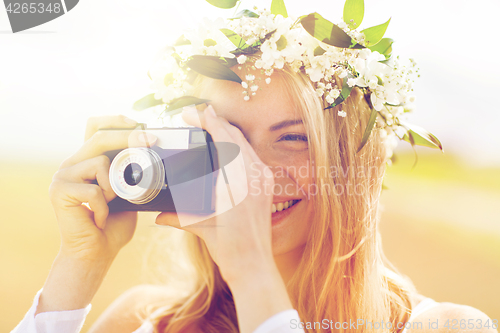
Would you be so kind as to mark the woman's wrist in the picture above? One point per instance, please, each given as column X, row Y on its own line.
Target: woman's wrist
column 72, row 283
column 251, row 296
column 87, row 256
column 250, row 269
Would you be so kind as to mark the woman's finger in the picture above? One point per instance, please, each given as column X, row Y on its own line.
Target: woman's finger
column 257, row 174
column 220, row 130
column 97, row 123
column 74, row 195
column 196, row 226
column 195, row 116
column 103, row 141
column 94, row 169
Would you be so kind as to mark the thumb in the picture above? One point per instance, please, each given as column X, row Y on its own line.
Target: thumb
column 196, row 224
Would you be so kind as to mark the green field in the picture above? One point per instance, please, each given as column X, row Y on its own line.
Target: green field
column 440, row 226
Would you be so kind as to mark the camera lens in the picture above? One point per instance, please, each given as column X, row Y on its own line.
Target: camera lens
column 137, row 175
column 132, row 174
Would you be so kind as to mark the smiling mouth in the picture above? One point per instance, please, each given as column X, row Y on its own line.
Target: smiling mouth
column 281, row 206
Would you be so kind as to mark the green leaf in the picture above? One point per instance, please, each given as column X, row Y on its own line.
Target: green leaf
column 214, row 67
column 281, row 43
column 244, row 13
column 182, row 41
column 383, row 47
column 373, row 35
column 319, row 51
column 255, row 46
column 228, row 62
column 354, row 10
column 146, row 102
column 235, row 39
column 224, row 4
column 346, row 91
column 278, row 8
column 368, row 130
column 325, row 31
column 177, row 104
column 356, row 46
column 420, row 137
column 209, row 42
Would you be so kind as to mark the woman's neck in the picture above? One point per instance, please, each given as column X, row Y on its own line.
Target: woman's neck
column 287, row 263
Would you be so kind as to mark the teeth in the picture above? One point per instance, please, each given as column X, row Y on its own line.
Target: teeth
column 282, row 206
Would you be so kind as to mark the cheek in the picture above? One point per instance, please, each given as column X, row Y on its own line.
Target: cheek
column 296, row 168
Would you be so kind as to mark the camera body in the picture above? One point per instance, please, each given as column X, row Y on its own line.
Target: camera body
column 177, row 174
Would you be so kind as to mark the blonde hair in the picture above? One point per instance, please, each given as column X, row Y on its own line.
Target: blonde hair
column 343, row 274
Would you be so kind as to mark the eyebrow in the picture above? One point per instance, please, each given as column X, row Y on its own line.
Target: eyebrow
column 284, row 124
column 277, row 126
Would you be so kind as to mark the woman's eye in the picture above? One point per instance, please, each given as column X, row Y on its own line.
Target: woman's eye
column 292, row 141
column 294, row 137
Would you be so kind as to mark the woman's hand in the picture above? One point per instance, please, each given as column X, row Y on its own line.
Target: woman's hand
column 239, row 239
column 92, row 233
column 90, row 237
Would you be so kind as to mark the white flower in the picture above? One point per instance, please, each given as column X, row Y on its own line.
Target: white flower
column 168, row 80
column 376, row 102
column 282, row 46
column 242, row 59
column 315, row 74
column 343, row 74
column 334, row 93
column 259, row 63
column 351, row 82
column 209, row 40
column 364, row 53
column 288, row 44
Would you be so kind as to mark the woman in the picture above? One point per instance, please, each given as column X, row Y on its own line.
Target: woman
column 300, row 252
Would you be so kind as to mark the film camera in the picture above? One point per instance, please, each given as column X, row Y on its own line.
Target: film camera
column 177, row 174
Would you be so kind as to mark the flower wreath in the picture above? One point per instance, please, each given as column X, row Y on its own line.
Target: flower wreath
column 311, row 44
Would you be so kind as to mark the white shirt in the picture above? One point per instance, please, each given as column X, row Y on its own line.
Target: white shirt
column 72, row 321
column 424, row 305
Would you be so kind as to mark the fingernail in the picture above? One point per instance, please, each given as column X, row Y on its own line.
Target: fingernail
column 189, row 110
column 211, row 111
column 129, row 121
column 147, row 138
